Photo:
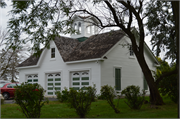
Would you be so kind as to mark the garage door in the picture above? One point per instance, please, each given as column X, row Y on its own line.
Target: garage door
column 53, row 83
column 80, row 79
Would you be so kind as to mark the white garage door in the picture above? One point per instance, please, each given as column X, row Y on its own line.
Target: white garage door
column 53, row 83
column 80, row 79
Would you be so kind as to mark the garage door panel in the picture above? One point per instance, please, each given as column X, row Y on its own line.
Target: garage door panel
column 53, row 83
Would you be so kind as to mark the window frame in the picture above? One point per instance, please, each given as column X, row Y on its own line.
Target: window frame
column 120, row 77
column 79, row 28
column 32, row 78
column 131, row 52
column 80, row 81
column 53, row 51
column 54, row 77
column 114, row 75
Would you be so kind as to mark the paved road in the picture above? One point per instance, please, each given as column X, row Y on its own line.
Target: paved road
column 11, row 101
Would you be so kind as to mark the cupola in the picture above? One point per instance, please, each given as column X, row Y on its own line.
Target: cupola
column 84, row 26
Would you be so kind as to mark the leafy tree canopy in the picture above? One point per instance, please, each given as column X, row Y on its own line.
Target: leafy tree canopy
column 161, row 26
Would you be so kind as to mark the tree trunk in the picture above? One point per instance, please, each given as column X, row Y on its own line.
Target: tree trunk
column 155, row 98
column 175, row 9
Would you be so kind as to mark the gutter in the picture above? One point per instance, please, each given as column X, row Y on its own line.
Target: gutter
column 80, row 61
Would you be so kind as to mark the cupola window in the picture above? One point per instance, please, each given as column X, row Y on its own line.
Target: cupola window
column 79, row 27
column 88, row 29
column 93, row 29
column 75, row 27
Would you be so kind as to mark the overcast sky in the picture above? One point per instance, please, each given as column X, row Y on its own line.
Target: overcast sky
column 4, row 18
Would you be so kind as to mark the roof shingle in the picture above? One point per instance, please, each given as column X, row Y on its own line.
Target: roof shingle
column 72, row 50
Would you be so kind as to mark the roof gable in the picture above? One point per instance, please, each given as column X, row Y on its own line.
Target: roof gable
column 73, row 50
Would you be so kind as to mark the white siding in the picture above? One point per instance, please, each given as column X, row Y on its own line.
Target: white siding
column 48, row 65
column 131, row 73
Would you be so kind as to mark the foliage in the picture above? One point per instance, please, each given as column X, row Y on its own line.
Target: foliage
column 168, row 85
column 100, row 97
column 81, row 100
column 29, row 97
column 62, row 96
column 109, row 94
column 9, row 59
column 161, row 26
column 92, row 92
column 43, row 20
column 133, row 96
column 99, row 109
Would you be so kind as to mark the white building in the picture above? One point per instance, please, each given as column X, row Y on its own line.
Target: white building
column 101, row 59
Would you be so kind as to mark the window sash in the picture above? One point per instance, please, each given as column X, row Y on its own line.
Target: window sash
column 81, row 80
column 131, row 53
column 145, row 85
column 118, row 78
column 52, row 52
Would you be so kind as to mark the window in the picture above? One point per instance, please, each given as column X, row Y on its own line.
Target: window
column 79, row 28
column 88, row 29
column 75, row 27
column 93, row 29
column 53, row 83
column 12, row 85
column 32, row 79
column 80, row 80
column 131, row 53
column 52, row 52
column 145, row 85
column 118, row 78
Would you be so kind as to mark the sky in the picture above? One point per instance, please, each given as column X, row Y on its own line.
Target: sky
column 4, row 19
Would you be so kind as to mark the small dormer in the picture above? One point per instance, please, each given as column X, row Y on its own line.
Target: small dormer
column 84, row 26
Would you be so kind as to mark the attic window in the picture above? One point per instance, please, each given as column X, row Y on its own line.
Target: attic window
column 52, row 52
column 131, row 53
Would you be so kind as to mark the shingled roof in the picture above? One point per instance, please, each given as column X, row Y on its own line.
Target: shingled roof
column 73, row 50
column 32, row 60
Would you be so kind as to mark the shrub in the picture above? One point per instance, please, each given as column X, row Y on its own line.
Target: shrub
column 109, row 94
column 92, row 92
column 81, row 100
column 168, row 87
column 100, row 97
column 62, row 96
column 133, row 96
column 29, row 97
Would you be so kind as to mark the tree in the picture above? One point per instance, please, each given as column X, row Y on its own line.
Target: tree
column 34, row 18
column 167, row 86
column 163, row 24
column 10, row 58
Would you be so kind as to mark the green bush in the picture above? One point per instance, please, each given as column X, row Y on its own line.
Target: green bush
column 92, row 92
column 81, row 100
column 100, row 97
column 62, row 96
column 133, row 96
column 30, row 99
column 109, row 94
column 168, row 87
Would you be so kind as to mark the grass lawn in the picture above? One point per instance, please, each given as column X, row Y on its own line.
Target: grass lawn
column 99, row 109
